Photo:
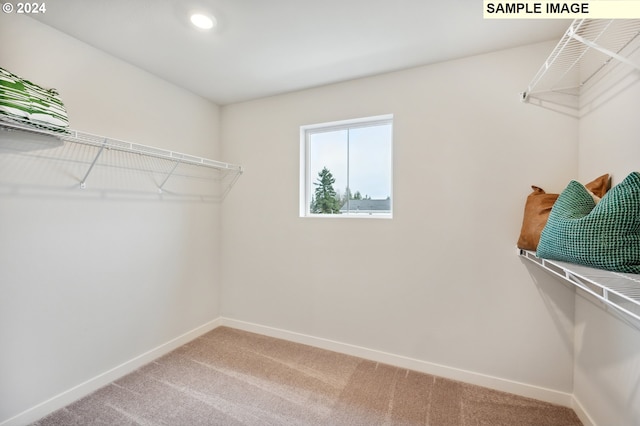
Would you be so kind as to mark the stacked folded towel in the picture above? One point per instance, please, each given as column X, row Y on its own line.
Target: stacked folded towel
column 28, row 103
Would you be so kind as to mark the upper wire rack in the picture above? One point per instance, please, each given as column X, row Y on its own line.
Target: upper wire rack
column 109, row 143
column 583, row 52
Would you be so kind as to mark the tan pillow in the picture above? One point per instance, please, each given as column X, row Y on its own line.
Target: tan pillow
column 538, row 207
column 599, row 186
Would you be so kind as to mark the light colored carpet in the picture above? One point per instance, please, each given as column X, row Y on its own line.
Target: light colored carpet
column 232, row 377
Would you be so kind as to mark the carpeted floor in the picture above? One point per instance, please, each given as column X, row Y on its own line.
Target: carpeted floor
column 232, row 377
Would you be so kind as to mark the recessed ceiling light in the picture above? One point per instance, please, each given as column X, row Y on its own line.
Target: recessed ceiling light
column 203, row 21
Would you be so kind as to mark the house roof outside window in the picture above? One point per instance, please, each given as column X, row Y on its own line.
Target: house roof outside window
column 367, row 206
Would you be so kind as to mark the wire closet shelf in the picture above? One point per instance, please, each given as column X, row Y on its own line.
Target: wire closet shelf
column 616, row 289
column 586, row 52
column 92, row 152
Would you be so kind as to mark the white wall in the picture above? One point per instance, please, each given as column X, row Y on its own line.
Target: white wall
column 607, row 357
column 89, row 283
column 440, row 282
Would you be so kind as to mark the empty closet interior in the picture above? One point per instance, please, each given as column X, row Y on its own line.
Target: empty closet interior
column 159, row 214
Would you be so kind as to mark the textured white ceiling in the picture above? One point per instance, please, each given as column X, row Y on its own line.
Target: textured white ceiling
column 266, row 47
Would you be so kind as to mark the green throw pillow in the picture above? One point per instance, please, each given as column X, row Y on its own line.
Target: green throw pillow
column 14, row 98
column 31, row 104
column 604, row 235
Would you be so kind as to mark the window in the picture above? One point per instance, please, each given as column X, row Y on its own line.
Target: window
column 345, row 168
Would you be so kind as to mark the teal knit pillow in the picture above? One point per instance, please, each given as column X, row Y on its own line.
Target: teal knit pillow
column 604, row 235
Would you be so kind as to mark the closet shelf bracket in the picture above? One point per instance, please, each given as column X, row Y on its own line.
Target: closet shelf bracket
column 83, row 183
column 173, row 169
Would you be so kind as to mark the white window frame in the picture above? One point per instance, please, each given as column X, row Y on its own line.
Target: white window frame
column 306, row 180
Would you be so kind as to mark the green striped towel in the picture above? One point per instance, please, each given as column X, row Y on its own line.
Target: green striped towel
column 29, row 103
column 604, row 235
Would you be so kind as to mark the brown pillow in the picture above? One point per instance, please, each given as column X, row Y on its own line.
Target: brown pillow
column 538, row 207
column 599, row 186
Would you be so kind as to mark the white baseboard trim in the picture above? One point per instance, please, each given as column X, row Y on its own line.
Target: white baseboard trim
column 67, row 397
column 504, row 385
column 582, row 414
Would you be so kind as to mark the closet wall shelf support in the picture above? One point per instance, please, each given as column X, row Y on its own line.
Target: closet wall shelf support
column 173, row 169
column 619, row 290
column 586, row 52
column 83, row 183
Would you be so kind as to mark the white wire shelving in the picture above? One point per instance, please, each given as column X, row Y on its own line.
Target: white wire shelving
column 616, row 289
column 92, row 162
column 587, row 51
